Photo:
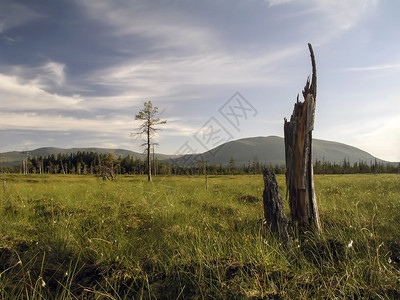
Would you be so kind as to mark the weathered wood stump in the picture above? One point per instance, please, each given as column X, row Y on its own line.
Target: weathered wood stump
column 298, row 155
column 273, row 207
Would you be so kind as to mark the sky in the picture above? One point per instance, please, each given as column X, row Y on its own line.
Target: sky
column 75, row 73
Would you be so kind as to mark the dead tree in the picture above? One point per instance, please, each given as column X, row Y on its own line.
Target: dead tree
column 298, row 155
column 202, row 165
column 274, row 214
column 106, row 173
column 105, row 168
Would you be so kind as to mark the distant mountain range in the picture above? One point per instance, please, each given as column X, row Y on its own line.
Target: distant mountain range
column 14, row 158
column 271, row 150
column 266, row 150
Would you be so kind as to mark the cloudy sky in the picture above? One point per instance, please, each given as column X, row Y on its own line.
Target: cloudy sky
column 75, row 73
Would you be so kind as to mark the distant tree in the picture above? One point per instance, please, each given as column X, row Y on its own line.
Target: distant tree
column 232, row 165
column 106, row 167
column 202, row 165
column 147, row 129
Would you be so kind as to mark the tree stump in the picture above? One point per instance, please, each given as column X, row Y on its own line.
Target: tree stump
column 298, row 155
column 273, row 207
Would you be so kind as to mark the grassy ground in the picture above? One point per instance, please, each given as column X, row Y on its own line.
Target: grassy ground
column 74, row 237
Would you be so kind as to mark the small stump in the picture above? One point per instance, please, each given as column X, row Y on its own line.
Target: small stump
column 273, row 207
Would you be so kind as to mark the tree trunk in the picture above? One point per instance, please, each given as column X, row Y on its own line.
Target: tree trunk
column 62, row 166
column 298, row 154
column 273, row 207
column 148, row 153
column 206, row 175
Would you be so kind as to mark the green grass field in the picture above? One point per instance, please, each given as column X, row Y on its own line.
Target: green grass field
column 77, row 237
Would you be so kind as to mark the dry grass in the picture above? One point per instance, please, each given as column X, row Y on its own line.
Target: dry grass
column 67, row 237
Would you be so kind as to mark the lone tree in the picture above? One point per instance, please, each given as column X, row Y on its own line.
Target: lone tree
column 298, row 154
column 147, row 129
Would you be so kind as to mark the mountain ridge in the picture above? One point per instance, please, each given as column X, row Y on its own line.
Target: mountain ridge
column 271, row 150
column 266, row 150
column 14, row 158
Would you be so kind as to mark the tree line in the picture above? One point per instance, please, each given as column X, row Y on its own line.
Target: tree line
column 83, row 163
column 360, row 167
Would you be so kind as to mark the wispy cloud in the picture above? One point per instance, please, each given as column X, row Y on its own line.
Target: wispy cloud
column 344, row 14
column 46, row 76
column 277, row 2
column 195, row 55
column 12, row 40
column 168, row 76
column 19, row 94
column 327, row 20
column 51, row 73
column 376, row 68
column 14, row 15
column 163, row 28
column 43, row 121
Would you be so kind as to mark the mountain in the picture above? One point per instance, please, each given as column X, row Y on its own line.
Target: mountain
column 14, row 158
column 271, row 150
column 266, row 150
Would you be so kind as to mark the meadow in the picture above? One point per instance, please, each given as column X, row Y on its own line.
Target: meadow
column 78, row 237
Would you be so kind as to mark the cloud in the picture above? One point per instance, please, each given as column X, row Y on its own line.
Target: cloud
column 323, row 21
column 394, row 66
column 169, row 76
column 12, row 40
column 182, row 56
column 22, row 139
column 51, row 73
column 46, row 76
column 277, row 2
column 26, row 105
column 175, row 127
column 383, row 141
column 161, row 27
column 45, row 122
column 17, row 96
column 368, row 119
column 375, row 72
column 15, row 15
column 194, row 53
column 99, row 131
column 344, row 14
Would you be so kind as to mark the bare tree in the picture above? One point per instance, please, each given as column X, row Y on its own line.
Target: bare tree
column 106, row 167
column 147, row 129
column 202, row 165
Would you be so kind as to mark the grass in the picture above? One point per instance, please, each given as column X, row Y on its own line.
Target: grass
column 74, row 237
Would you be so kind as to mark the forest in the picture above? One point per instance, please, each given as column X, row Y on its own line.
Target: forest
column 83, row 163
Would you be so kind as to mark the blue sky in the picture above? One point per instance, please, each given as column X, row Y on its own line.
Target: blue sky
column 74, row 73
